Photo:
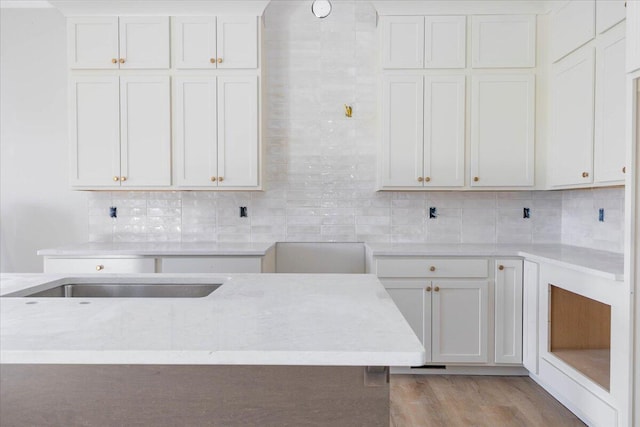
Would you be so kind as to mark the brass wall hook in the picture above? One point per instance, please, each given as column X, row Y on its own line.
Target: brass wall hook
column 348, row 111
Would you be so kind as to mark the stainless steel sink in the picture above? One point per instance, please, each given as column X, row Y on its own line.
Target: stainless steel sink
column 128, row 290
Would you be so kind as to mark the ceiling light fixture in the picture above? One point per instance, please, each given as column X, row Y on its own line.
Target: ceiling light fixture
column 321, row 8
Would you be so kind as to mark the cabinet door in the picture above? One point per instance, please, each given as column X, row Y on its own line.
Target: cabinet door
column 445, row 41
column 144, row 42
column 402, row 41
column 92, row 42
column 609, row 13
column 196, row 132
column 633, row 36
column 413, row 299
column 508, row 309
column 402, row 131
column 502, row 130
column 530, row 317
column 609, row 145
column 145, row 131
column 572, row 96
column 94, row 131
column 572, row 25
column 460, row 321
column 237, row 41
column 503, row 41
column 444, row 115
column 195, row 42
column 238, row 131
column 99, row 265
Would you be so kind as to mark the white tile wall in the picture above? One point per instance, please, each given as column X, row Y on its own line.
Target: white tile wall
column 320, row 167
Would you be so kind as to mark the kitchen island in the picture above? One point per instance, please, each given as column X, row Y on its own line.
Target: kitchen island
column 261, row 349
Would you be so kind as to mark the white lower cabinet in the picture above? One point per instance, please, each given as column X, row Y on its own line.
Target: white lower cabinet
column 99, row 265
column 508, row 312
column 530, row 317
column 217, row 264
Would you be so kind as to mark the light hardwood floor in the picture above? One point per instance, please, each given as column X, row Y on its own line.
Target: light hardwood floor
column 451, row 400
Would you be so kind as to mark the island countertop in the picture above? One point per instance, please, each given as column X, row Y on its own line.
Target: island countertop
column 252, row 319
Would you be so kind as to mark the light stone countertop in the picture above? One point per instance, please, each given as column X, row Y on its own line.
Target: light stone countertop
column 159, row 249
column 252, row 319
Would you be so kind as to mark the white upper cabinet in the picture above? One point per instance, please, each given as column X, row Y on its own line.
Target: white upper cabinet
column 112, row 42
column 444, row 114
column 608, row 14
column 610, row 100
column 633, row 36
column 502, row 130
column 204, row 42
column 503, row 41
column 402, row 131
column 402, row 41
column 570, row 159
column 445, row 41
column 573, row 24
column 94, row 130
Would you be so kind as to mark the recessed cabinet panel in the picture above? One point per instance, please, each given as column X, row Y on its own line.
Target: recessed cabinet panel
column 609, row 13
column 572, row 90
column 94, row 130
column 633, row 36
column 459, row 321
column 609, row 146
column 195, row 42
column 402, row 41
column 145, row 131
column 530, row 317
column 144, row 42
column 445, row 41
column 237, row 42
column 92, row 42
column 444, row 115
column 238, row 131
column 503, row 41
column 508, row 303
column 196, row 131
column 502, row 130
column 402, row 127
column 572, row 24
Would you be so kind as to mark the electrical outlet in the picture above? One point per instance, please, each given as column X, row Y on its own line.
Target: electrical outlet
column 601, row 215
column 243, row 212
column 113, row 212
column 526, row 213
column 433, row 213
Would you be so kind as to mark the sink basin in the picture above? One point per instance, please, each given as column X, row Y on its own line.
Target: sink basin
column 128, row 290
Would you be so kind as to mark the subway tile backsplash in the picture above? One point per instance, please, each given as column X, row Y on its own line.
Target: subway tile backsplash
column 320, row 167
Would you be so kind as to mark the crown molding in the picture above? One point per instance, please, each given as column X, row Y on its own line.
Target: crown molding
column 25, row 4
column 160, row 8
column 462, row 7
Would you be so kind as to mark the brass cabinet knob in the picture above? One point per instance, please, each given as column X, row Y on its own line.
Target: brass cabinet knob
column 585, row 174
column 114, row 61
column 420, row 179
column 213, row 179
column 123, row 178
column 122, row 61
column 624, row 169
column 212, row 60
column 437, row 289
column 219, row 60
column 476, row 179
column 432, row 268
column 427, row 179
column 220, row 178
column 501, row 267
column 428, row 289
column 99, row 267
column 116, row 178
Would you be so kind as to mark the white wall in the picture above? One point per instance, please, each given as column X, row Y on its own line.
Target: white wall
column 37, row 209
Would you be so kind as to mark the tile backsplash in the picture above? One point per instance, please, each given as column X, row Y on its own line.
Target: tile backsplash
column 320, row 167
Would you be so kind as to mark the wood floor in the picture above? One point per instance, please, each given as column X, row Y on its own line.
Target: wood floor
column 452, row 400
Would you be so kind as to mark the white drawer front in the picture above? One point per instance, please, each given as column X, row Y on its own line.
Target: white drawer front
column 99, row 265
column 220, row 264
column 432, row 267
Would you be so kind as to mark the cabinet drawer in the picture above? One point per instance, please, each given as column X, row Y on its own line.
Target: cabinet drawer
column 431, row 267
column 99, row 265
column 220, row 264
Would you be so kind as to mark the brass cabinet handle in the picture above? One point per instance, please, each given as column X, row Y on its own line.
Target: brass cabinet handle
column 122, row 60
column 432, row 268
column 213, row 179
column 220, row 178
column 585, row 174
column 427, row 179
column 219, row 60
column 476, row 179
column 114, row 61
column 428, row 289
column 116, row 178
column 437, row 289
column 212, row 60
column 420, row 179
column 624, row 169
column 99, row 267
column 501, row 267
column 123, row 178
